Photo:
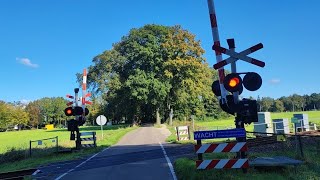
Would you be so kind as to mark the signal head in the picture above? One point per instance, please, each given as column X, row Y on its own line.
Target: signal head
column 216, row 88
column 68, row 111
column 252, row 81
column 233, row 82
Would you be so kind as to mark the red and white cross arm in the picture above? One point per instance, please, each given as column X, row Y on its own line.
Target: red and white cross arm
column 222, row 164
column 216, row 40
column 69, row 96
column 84, row 90
column 235, row 56
column 223, row 147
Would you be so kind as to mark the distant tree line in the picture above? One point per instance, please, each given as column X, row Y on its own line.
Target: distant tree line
column 35, row 114
column 291, row 103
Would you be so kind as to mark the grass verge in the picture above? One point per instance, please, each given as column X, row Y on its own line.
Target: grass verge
column 186, row 169
column 111, row 136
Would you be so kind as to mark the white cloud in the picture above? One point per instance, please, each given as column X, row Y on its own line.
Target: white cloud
column 25, row 101
column 27, row 62
column 274, row 81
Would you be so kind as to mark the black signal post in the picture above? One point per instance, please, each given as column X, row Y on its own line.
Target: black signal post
column 245, row 110
column 79, row 120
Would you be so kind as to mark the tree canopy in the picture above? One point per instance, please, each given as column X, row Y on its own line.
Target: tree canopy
column 153, row 70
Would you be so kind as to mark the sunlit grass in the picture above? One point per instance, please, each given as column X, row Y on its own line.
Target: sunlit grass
column 17, row 145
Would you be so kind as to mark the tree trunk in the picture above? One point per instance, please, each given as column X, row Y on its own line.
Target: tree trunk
column 171, row 116
column 158, row 117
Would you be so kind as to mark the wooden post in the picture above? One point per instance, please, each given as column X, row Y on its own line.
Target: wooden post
column 94, row 139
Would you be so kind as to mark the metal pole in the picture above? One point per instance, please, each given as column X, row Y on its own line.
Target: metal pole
column 296, row 137
column 232, row 47
column 200, row 157
column 57, row 144
column 101, row 127
column 216, row 40
column 30, row 148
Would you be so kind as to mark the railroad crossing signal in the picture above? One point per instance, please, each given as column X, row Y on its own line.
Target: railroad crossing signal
column 246, row 109
column 76, row 111
column 234, row 56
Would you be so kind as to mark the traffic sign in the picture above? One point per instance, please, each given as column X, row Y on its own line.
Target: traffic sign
column 227, row 133
column 101, row 120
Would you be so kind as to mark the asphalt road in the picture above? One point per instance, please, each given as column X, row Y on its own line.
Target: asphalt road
column 140, row 154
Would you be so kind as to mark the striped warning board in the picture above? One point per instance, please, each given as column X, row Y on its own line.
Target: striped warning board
column 222, row 164
column 87, row 145
column 85, row 141
column 183, row 133
column 238, row 147
column 223, row 147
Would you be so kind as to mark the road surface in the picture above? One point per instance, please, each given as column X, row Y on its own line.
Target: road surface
column 140, row 154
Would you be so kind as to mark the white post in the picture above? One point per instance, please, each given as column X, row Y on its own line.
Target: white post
column 101, row 127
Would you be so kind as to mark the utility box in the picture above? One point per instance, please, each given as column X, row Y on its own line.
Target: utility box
column 281, row 126
column 264, row 124
column 303, row 124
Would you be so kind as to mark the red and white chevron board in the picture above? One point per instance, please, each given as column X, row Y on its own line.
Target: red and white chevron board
column 87, row 139
column 222, row 164
column 87, row 145
column 183, row 132
column 224, row 147
column 183, row 138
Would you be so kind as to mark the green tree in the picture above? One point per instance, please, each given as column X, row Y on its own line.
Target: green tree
column 266, row 104
column 4, row 115
column 277, row 106
column 152, row 70
column 34, row 111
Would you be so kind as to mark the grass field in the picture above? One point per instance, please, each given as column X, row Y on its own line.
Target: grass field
column 15, row 145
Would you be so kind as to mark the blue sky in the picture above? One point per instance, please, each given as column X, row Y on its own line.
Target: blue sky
column 44, row 43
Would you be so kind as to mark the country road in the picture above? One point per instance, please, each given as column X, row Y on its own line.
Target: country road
column 140, row 154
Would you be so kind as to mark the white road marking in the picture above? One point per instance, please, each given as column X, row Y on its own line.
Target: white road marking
column 169, row 162
column 62, row 175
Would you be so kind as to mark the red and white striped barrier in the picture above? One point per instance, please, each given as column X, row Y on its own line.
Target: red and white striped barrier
column 216, row 40
column 184, row 139
column 223, row 147
column 222, row 164
column 183, row 132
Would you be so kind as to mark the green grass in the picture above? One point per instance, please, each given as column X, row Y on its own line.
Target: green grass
column 185, row 168
column 19, row 141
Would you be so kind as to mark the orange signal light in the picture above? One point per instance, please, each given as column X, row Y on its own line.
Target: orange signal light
column 234, row 82
column 69, row 111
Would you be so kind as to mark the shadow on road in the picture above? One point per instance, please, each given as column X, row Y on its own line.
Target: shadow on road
column 120, row 156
